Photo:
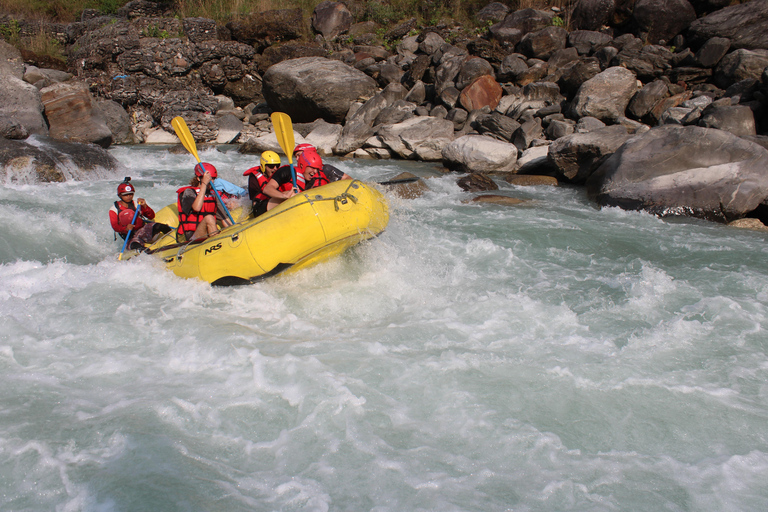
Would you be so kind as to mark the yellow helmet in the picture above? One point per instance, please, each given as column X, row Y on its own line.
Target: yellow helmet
column 269, row 158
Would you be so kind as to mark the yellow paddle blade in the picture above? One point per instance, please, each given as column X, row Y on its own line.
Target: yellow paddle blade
column 284, row 131
column 182, row 131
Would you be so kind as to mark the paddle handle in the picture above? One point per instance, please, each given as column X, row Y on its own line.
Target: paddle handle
column 128, row 236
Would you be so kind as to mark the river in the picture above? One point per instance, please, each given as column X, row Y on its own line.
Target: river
column 547, row 356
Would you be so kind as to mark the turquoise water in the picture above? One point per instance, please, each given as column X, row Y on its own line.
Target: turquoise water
column 550, row 356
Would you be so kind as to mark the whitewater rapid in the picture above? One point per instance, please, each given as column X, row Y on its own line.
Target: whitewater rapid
column 547, row 356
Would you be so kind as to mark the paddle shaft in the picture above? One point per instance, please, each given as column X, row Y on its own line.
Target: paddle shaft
column 284, row 133
column 128, row 236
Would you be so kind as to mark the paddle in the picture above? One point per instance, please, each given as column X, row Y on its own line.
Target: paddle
column 128, row 236
column 185, row 136
column 284, row 132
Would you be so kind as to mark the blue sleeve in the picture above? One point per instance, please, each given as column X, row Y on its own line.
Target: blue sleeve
column 223, row 185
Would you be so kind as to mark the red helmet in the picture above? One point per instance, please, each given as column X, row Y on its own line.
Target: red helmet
column 309, row 158
column 125, row 188
column 202, row 167
column 303, row 147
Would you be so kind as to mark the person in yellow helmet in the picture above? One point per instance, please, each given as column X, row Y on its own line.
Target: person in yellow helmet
column 259, row 176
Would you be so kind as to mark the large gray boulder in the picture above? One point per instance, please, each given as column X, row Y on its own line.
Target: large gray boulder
column 479, row 153
column 11, row 63
column 606, row 95
column 20, row 104
column 308, row 88
column 576, row 156
column 418, row 138
column 118, row 121
column 684, row 170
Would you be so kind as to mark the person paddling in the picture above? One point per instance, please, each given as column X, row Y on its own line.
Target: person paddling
column 198, row 208
column 280, row 186
column 122, row 213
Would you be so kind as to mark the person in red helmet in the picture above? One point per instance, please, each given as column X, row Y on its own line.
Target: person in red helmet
column 123, row 211
column 198, row 208
column 328, row 174
column 280, row 187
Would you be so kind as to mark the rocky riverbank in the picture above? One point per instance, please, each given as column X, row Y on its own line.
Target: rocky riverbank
column 652, row 104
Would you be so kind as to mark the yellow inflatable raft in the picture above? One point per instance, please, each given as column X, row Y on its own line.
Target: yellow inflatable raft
column 305, row 229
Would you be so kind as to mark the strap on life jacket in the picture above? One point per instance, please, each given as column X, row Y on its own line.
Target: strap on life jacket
column 300, row 182
column 261, row 181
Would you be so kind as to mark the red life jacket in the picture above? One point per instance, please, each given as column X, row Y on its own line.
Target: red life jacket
column 125, row 216
column 300, row 182
column 261, row 182
column 320, row 179
column 189, row 222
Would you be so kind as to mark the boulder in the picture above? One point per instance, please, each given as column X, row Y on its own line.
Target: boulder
column 496, row 125
column 737, row 119
column 418, row 138
column 314, row 87
column 512, row 68
column 359, row 126
column 479, row 153
column 684, row 170
column 606, row 95
column 592, row 14
column 397, row 112
column 740, row 65
column 324, row 136
column 118, row 121
column 228, row 128
column 515, row 25
column 575, row 157
column 11, row 63
column 41, row 158
column 646, row 98
column 541, row 44
column 331, row 19
column 71, row 115
column 477, row 182
column 471, row 69
column 746, row 25
column 661, row 20
column 712, row 51
column 21, row 101
column 493, row 12
column 483, row 91
column 587, row 41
